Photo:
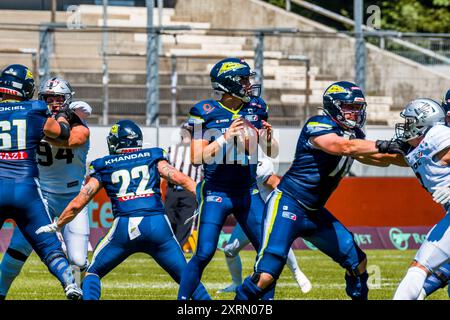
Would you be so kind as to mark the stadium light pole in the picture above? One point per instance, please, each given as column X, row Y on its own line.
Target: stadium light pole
column 259, row 59
column 152, row 70
column 360, row 47
column 53, row 14
column 105, row 78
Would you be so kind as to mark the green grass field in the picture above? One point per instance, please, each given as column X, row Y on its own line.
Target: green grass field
column 139, row 277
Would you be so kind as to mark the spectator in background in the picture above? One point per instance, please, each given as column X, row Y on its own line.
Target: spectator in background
column 180, row 204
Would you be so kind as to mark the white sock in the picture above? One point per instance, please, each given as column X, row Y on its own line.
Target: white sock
column 412, row 283
column 235, row 268
column 292, row 262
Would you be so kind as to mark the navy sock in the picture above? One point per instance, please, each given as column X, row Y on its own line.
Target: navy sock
column 248, row 290
column 190, row 279
column 10, row 268
column 200, row 293
column 91, row 287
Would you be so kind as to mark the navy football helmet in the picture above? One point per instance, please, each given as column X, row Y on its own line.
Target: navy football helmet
column 345, row 102
column 124, row 136
column 232, row 76
column 446, row 102
column 17, row 80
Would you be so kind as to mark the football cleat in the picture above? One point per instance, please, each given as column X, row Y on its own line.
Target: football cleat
column 302, row 281
column 73, row 292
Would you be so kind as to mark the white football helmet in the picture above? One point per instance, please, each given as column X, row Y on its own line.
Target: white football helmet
column 420, row 115
column 56, row 87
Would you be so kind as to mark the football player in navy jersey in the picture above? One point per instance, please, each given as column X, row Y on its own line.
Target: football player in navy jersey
column 62, row 170
column 131, row 178
column 23, row 123
column 325, row 150
column 226, row 136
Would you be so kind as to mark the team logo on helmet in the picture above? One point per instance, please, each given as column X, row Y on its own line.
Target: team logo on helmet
column 335, row 89
column 11, row 71
column 227, row 66
column 29, row 75
column 115, row 129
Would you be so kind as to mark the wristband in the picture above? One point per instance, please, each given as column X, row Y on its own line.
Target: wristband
column 221, row 141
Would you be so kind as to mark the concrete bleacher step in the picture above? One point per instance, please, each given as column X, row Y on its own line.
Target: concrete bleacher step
column 197, row 38
column 290, row 70
column 300, row 98
column 10, row 58
column 165, row 120
column 219, row 53
column 134, row 63
column 89, row 77
column 134, row 91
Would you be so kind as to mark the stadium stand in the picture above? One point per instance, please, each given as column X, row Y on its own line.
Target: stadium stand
column 77, row 57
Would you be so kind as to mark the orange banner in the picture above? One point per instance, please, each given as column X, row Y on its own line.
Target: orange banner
column 357, row 202
column 384, row 201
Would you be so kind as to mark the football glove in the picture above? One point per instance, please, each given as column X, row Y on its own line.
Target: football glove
column 66, row 113
column 391, row 146
column 442, row 195
column 49, row 228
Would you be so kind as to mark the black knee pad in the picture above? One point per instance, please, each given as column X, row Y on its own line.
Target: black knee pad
column 16, row 254
column 255, row 277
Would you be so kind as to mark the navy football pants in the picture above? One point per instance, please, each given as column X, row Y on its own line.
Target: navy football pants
column 152, row 235
column 214, row 207
column 22, row 201
column 286, row 220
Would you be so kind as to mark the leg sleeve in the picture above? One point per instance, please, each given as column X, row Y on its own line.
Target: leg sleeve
column 76, row 237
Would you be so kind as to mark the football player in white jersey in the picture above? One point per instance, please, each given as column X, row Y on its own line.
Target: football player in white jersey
column 267, row 182
column 424, row 140
column 62, row 168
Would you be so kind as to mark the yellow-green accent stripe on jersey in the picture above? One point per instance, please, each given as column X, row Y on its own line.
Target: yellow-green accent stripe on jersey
column 268, row 230
column 200, row 207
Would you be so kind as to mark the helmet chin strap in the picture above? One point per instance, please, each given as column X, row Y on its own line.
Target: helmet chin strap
column 244, row 99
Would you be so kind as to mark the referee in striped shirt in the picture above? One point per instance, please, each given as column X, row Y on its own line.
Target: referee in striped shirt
column 181, row 204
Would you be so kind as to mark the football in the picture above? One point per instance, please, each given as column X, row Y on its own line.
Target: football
column 249, row 137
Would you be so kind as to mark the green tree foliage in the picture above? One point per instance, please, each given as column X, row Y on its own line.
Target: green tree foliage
column 400, row 15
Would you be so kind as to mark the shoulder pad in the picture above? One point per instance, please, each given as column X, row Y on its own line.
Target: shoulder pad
column 97, row 165
column 200, row 111
column 322, row 124
column 82, row 109
column 259, row 103
column 159, row 153
column 40, row 106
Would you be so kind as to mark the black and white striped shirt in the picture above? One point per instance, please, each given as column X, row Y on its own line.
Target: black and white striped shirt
column 180, row 158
